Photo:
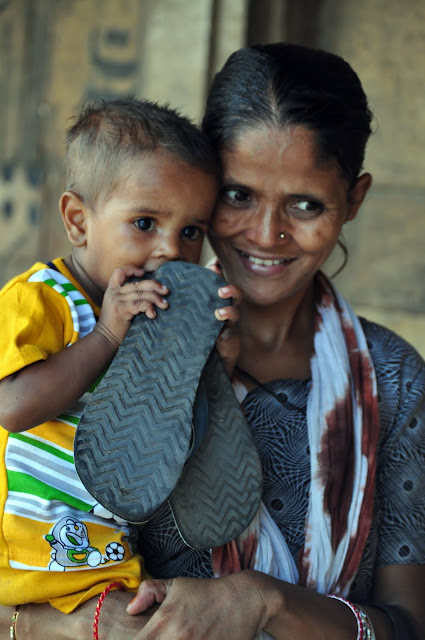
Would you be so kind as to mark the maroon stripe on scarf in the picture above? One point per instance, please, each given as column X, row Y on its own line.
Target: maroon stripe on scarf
column 361, row 372
column 336, row 457
column 231, row 557
column 337, row 461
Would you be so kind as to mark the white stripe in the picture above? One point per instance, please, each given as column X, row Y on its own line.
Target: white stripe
column 48, row 443
column 51, row 511
column 28, row 567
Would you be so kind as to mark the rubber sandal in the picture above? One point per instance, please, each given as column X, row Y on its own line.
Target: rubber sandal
column 220, row 489
column 136, row 431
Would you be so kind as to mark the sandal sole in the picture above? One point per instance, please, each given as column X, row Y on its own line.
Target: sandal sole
column 134, row 436
column 220, row 490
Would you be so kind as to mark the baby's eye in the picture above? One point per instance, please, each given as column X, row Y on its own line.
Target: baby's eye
column 234, row 196
column 193, row 233
column 145, row 224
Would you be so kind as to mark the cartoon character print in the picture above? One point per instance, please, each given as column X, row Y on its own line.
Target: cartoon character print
column 71, row 547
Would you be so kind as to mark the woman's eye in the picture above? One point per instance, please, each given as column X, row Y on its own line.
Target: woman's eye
column 308, row 206
column 234, row 196
column 193, row 233
column 145, row 224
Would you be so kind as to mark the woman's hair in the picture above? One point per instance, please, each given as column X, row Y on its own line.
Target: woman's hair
column 108, row 135
column 279, row 85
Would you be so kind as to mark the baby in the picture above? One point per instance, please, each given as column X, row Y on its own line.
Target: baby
column 141, row 185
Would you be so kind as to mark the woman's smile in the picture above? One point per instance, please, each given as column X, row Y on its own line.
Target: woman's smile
column 264, row 266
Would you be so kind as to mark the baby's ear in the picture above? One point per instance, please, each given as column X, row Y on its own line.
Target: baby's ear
column 74, row 213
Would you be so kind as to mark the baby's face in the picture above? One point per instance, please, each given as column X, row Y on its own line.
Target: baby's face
column 159, row 211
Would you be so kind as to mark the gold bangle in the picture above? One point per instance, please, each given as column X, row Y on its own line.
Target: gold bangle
column 13, row 625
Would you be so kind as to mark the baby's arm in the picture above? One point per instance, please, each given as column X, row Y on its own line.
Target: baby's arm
column 45, row 389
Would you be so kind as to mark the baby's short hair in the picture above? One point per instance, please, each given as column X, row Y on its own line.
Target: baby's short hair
column 106, row 135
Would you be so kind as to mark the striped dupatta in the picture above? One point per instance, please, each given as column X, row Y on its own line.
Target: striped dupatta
column 343, row 431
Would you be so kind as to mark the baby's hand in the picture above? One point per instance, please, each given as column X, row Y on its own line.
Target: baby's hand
column 123, row 300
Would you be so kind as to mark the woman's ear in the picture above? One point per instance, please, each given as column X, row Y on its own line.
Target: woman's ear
column 74, row 213
column 357, row 195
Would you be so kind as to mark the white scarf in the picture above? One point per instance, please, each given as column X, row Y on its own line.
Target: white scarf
column 343, row 430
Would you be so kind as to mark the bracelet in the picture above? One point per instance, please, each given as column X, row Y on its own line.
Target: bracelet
column 12, row 629
column 367, row 625
column 365, row 629
column 99, row 605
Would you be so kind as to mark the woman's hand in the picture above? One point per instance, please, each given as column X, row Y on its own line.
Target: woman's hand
column 230, row 608
column 228, row 343
column 41, row 621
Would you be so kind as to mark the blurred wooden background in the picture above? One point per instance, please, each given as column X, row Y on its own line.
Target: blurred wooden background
column 58, row 54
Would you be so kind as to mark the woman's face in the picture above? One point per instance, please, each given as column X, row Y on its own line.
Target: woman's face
column 274, row 184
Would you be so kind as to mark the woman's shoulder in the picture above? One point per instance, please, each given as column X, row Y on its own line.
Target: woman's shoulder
column 400, row 481
column 390, row 350
column 400, row 376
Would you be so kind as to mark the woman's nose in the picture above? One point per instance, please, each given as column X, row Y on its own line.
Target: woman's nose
column 266, row 227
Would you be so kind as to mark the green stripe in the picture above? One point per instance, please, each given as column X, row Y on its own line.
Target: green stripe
column 45, row 447
column 69, row 418
column 51, row 282
column 23, row 483
column 69, row 287
column 66, row 287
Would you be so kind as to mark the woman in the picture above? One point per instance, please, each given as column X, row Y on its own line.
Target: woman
column 335, row 404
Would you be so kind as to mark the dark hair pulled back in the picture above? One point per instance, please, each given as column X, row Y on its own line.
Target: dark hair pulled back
column 281, row 84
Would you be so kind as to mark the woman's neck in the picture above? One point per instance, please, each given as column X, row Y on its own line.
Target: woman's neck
column 277, row 340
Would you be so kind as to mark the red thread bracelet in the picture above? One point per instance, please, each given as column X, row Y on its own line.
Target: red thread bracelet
column 99, row 605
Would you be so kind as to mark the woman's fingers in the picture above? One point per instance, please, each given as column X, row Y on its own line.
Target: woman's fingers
column 228, row 345
column 231, row 291
column 214, row 265
column 202, row 609
column 230, row 312
column 150, row 592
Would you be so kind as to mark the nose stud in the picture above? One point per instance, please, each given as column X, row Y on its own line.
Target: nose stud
column 281, row 236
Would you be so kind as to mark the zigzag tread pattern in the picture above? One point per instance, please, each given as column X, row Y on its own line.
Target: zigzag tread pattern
column 133, row 439
column 220, row 490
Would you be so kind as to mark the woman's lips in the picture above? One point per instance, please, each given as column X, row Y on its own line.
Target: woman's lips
column 264, row 265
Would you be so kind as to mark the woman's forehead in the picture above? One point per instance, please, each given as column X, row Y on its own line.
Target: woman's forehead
column 285, row 159
column 293, row 145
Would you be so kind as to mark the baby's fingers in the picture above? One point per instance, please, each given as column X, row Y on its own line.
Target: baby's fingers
column 145, row 303
column 136, row 296
column 143, row 286
column 121, row 275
